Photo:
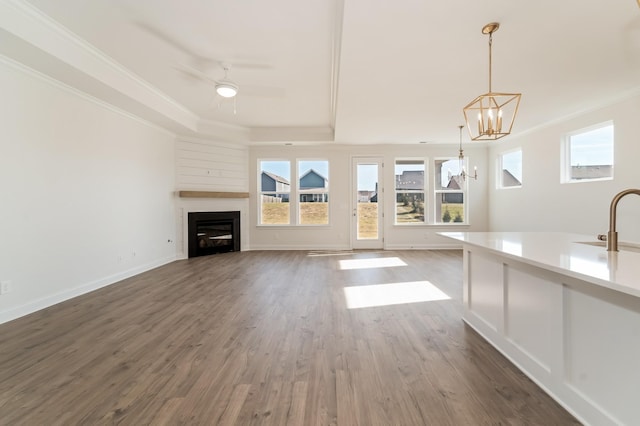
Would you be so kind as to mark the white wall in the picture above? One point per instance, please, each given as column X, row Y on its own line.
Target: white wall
column 86, row 193
column 544, row 204
column 206, row 165
column 337, row 234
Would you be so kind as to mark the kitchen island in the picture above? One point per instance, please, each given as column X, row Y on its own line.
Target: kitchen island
column 565, row 311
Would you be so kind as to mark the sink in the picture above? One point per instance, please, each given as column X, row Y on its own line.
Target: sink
column 621, row 246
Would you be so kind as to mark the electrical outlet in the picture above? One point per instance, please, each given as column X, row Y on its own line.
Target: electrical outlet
column 5, row 287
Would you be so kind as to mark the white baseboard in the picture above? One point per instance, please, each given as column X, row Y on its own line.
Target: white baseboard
column 45, row 302
column 255, row 247
column 440, row 246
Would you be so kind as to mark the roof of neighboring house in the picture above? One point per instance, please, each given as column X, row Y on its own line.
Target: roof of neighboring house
column 454, row 182
column 410, row 179
column 276, row 177
column 508, row 179
column 314, row 172
column 591, row 172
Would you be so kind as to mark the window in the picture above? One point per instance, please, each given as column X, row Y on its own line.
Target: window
column 410, row 206
column 589, row 154
column 275, row 189
column 449, row 192
column 313, row 186
column 510, row 169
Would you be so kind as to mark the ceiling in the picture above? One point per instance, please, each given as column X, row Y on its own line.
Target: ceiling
column 330, row 71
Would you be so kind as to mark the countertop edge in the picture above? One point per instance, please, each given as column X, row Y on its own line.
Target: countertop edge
column 591, row 279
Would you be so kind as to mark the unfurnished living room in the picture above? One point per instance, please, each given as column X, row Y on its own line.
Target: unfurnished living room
column 333, row 212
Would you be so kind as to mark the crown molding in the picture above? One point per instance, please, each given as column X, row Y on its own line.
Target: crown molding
column 223, row 132
column 18, row 66
column 291, row 134
column 30, row 25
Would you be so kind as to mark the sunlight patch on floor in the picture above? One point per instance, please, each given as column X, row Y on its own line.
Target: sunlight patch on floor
column 376, row 262
column 367, row 296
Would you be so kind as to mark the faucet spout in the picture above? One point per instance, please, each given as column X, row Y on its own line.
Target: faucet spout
column 612, row 235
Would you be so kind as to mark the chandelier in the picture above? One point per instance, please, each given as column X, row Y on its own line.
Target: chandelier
column 491, row 116
column 463, row 173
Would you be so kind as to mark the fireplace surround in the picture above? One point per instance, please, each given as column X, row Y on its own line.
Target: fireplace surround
column 213, row 232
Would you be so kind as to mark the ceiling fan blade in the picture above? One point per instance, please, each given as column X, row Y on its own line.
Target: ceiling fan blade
column 203, row 61
column 194, row 73
column 247, row 65
column 176, row 44
column 262, row 91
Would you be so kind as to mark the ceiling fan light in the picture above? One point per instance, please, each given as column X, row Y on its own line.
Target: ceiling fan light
column 226, row 89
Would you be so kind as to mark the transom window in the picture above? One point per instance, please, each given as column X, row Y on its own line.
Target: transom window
column 510, row 169
column 588, row 154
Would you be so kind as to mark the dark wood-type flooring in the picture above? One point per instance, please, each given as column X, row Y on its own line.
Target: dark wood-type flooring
column 264, row 337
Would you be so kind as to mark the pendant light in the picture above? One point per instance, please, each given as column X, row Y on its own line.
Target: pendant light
column 463, row 173
column 491, row 116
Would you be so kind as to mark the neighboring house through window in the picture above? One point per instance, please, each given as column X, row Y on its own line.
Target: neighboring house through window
column 275, row 190
column 313, row 187
column 510, row 169
column 450, row 192
column 410, row 189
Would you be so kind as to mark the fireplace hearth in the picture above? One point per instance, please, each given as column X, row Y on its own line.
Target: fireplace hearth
column 213, row 232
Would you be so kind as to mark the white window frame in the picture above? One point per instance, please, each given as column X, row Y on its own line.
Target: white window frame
column 435, row 219
column 290, row 193
column 500, row 168
column 298, row 192
column 566, row 168
column 423, row 191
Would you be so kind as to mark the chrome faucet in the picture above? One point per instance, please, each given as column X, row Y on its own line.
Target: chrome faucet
column 612, row 235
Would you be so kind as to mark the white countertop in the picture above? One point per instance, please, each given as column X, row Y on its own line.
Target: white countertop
column 562, row 253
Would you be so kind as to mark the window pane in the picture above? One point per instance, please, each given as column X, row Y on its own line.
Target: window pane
column 591, row 154
column 511, row 166
column 275, row 176
column 274, row 209
column 450, row 207
column 367, row 214
column 409, row 207
column 314, row 192
column 409, row 175
column 447, row 174
column 274, row 192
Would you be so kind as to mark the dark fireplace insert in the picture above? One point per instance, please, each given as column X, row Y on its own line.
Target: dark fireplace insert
column 213, row 232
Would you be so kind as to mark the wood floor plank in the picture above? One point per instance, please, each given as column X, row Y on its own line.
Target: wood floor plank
column 265, row 338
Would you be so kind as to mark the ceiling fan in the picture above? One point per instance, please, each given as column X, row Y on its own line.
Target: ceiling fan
column 226, row 88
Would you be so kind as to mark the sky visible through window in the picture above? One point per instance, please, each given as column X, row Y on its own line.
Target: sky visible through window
column 593, row 148
column 367, row 177
column 512, row 161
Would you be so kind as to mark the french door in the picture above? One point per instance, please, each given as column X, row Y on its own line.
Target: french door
column 367, row 203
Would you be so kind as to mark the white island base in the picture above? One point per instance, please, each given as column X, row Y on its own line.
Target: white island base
column 567, row 314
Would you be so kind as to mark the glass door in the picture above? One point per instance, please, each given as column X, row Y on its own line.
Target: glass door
column 367, row 211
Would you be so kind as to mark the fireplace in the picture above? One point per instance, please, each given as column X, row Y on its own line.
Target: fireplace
column 213, row 232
